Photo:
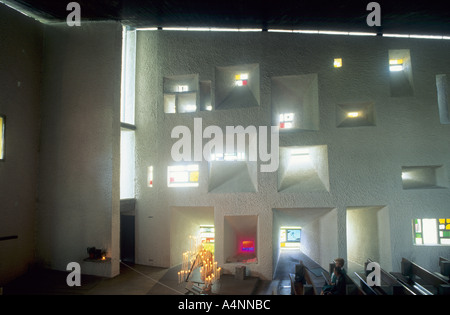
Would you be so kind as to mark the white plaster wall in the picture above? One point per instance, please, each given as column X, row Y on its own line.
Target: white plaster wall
column 185, row 223
column 329, row 238
column 20, row 69
column 362, row 234
column 80, row 146
column 364, row 164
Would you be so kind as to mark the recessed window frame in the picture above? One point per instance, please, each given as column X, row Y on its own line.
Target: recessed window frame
column 127, row 109
column 181, row 94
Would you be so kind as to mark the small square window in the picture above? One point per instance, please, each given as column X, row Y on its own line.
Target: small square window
column 337, row 62
column 287, row 121
column 241, row 79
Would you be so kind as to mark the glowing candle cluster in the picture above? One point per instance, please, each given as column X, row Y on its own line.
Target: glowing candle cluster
column 199, row 257
column 209, row 272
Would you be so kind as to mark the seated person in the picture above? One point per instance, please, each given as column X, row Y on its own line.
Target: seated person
column 339, row 287
column 339, row 263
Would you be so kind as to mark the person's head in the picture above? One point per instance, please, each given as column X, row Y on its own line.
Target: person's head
column 338, row 271
column 339, row 262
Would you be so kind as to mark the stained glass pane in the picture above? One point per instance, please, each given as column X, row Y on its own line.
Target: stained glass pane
column 193, row 177
column 418, row 225
column 182, row 176
column 429, row 231
column 150, row 176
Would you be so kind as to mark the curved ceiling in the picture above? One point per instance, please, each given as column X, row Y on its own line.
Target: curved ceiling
column 409, row 17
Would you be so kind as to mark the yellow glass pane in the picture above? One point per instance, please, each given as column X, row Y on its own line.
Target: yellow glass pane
column 448, row 220
column 353, row 114
column 441, row 221
column 193, row 176
column 396, row 61
column 237, row 76
column 338, row 62
column 447, row 227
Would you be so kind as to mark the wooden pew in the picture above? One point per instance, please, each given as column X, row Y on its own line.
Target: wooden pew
column 389, row 284
column 444, row 266
column 420, row 280
column 368, row 290
column 296, row 286
column 305, row 285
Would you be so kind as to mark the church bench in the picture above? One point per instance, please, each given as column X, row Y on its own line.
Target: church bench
column 420, row 280
column 305, row 285
column 389, row 284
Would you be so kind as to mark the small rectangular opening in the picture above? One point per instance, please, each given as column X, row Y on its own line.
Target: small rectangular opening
column 442, row 87
column 290, row 237
column 240, row 235
column 183, row 175
column 400, row 73
column 424, row 177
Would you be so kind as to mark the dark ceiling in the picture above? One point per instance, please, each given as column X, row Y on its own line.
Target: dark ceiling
column 409, row 17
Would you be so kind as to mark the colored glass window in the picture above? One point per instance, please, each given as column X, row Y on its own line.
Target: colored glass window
column 337, row 62
column 150, row 176
column 241, row 79
column 183, row 176
column 396, row 64
column 431, row 231
column 286, row 120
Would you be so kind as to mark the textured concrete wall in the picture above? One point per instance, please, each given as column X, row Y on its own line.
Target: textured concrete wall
column 20, row 82
column 364, row 163
column 80, row 146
